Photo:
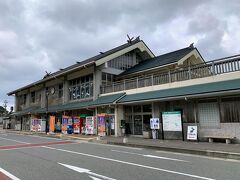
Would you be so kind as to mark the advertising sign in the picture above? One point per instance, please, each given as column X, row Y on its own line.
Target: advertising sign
column 154, row 123
column 52, row 124
column 76, row 124
column 64, row 124
column 38, row 125
column 101, row 125
column 90, row 125
column 192, row 133
column 172, row 121
column 35, row 125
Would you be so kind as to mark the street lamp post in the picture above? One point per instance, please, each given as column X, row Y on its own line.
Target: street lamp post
column 47, row 93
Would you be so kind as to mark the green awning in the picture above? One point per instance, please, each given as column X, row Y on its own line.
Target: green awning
column 200, row 89
column 77, row 105
column 106, row 100
column 24, row 112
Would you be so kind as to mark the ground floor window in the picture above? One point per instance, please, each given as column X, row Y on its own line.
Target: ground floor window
column 230, row 111
column 137, row 118
column 208, row 114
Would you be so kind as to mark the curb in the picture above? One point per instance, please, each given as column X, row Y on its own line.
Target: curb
column 59, row 136
column 215, row 154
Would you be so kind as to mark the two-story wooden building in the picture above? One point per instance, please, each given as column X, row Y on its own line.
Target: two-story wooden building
column 130, row 83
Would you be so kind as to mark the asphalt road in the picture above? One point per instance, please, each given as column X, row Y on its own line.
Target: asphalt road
column 33, row 157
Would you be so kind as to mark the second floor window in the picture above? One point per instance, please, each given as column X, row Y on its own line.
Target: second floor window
column 24, row 99
column 33, row 97
column 81, row 88
column 60, row 90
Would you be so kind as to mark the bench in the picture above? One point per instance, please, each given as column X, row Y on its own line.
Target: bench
column 227, row 138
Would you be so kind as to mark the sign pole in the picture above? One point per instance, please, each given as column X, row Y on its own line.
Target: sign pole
column 162, row 127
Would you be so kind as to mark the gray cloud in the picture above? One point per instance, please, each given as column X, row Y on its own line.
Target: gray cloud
column 36, row 36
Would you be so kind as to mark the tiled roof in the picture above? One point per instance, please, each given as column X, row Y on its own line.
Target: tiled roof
column 79, row 64
column 161, row 60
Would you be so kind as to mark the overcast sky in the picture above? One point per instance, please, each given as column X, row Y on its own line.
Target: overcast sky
column 38, row 36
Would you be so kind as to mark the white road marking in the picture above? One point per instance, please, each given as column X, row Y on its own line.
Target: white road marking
column 94, row 178
column 15, row 140
column 87, row 171
column 150, row 156
column 130, row 163
column 45, row 137
column 111, row 145
column 9, row 174
column 199, row 156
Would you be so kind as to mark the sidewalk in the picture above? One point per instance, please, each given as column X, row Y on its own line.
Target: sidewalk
column 219, row 150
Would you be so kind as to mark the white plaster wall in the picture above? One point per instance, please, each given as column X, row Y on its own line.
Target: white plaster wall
column 119, row 115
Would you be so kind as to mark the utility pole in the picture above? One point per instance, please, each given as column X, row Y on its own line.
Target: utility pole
column 5, row 104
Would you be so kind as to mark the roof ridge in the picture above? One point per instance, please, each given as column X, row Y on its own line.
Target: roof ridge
column 177, row 50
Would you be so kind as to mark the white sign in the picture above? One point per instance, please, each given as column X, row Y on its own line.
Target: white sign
column 192, row 133
column 172, row 121
column 154, row 123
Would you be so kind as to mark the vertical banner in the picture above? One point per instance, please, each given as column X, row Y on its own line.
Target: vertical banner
column 64, row 124
column 90, row 125
column 76, row 124
column 52, row 124
column 101, row 125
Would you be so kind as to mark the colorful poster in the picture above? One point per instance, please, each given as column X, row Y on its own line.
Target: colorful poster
column 172, row 121
column 101, row 125
column 76, row 124
column 90, row 125
column 64, row 124
column 52, row 124
column 35, row 125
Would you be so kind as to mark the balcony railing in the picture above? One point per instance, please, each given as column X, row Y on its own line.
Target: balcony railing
column 207, row 69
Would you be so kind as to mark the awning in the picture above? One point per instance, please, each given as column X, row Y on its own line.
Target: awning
column 201, row 89
column 24, row 112
column 107, row 100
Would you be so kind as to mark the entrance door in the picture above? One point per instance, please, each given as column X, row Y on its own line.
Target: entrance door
column 137, row 125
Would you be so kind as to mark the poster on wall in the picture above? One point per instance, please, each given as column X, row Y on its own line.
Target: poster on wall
column 76, row 124
column 64, row 124
column 172, row 121
column 101, row 125
column 192, row 133
column 52, row 124
column 154, row 123
column 35, row 125
column 112, row 121
column 90, row 125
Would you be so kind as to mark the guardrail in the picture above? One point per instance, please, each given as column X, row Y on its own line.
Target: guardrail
column 207, row 69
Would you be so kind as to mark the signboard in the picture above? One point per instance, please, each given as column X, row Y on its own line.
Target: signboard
column 52, row 124
column 38, row 125
column 101, row 125
column 154, row 123
column 35, row 125
column 64, row 124
column 76, row 124
column 192, row 133
column 90, row 125
column 172, row 121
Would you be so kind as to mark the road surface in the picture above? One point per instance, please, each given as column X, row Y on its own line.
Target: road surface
column 41, row 158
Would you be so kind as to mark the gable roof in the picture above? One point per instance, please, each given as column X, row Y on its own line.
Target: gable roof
column 81, row 64
column 164, row 59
